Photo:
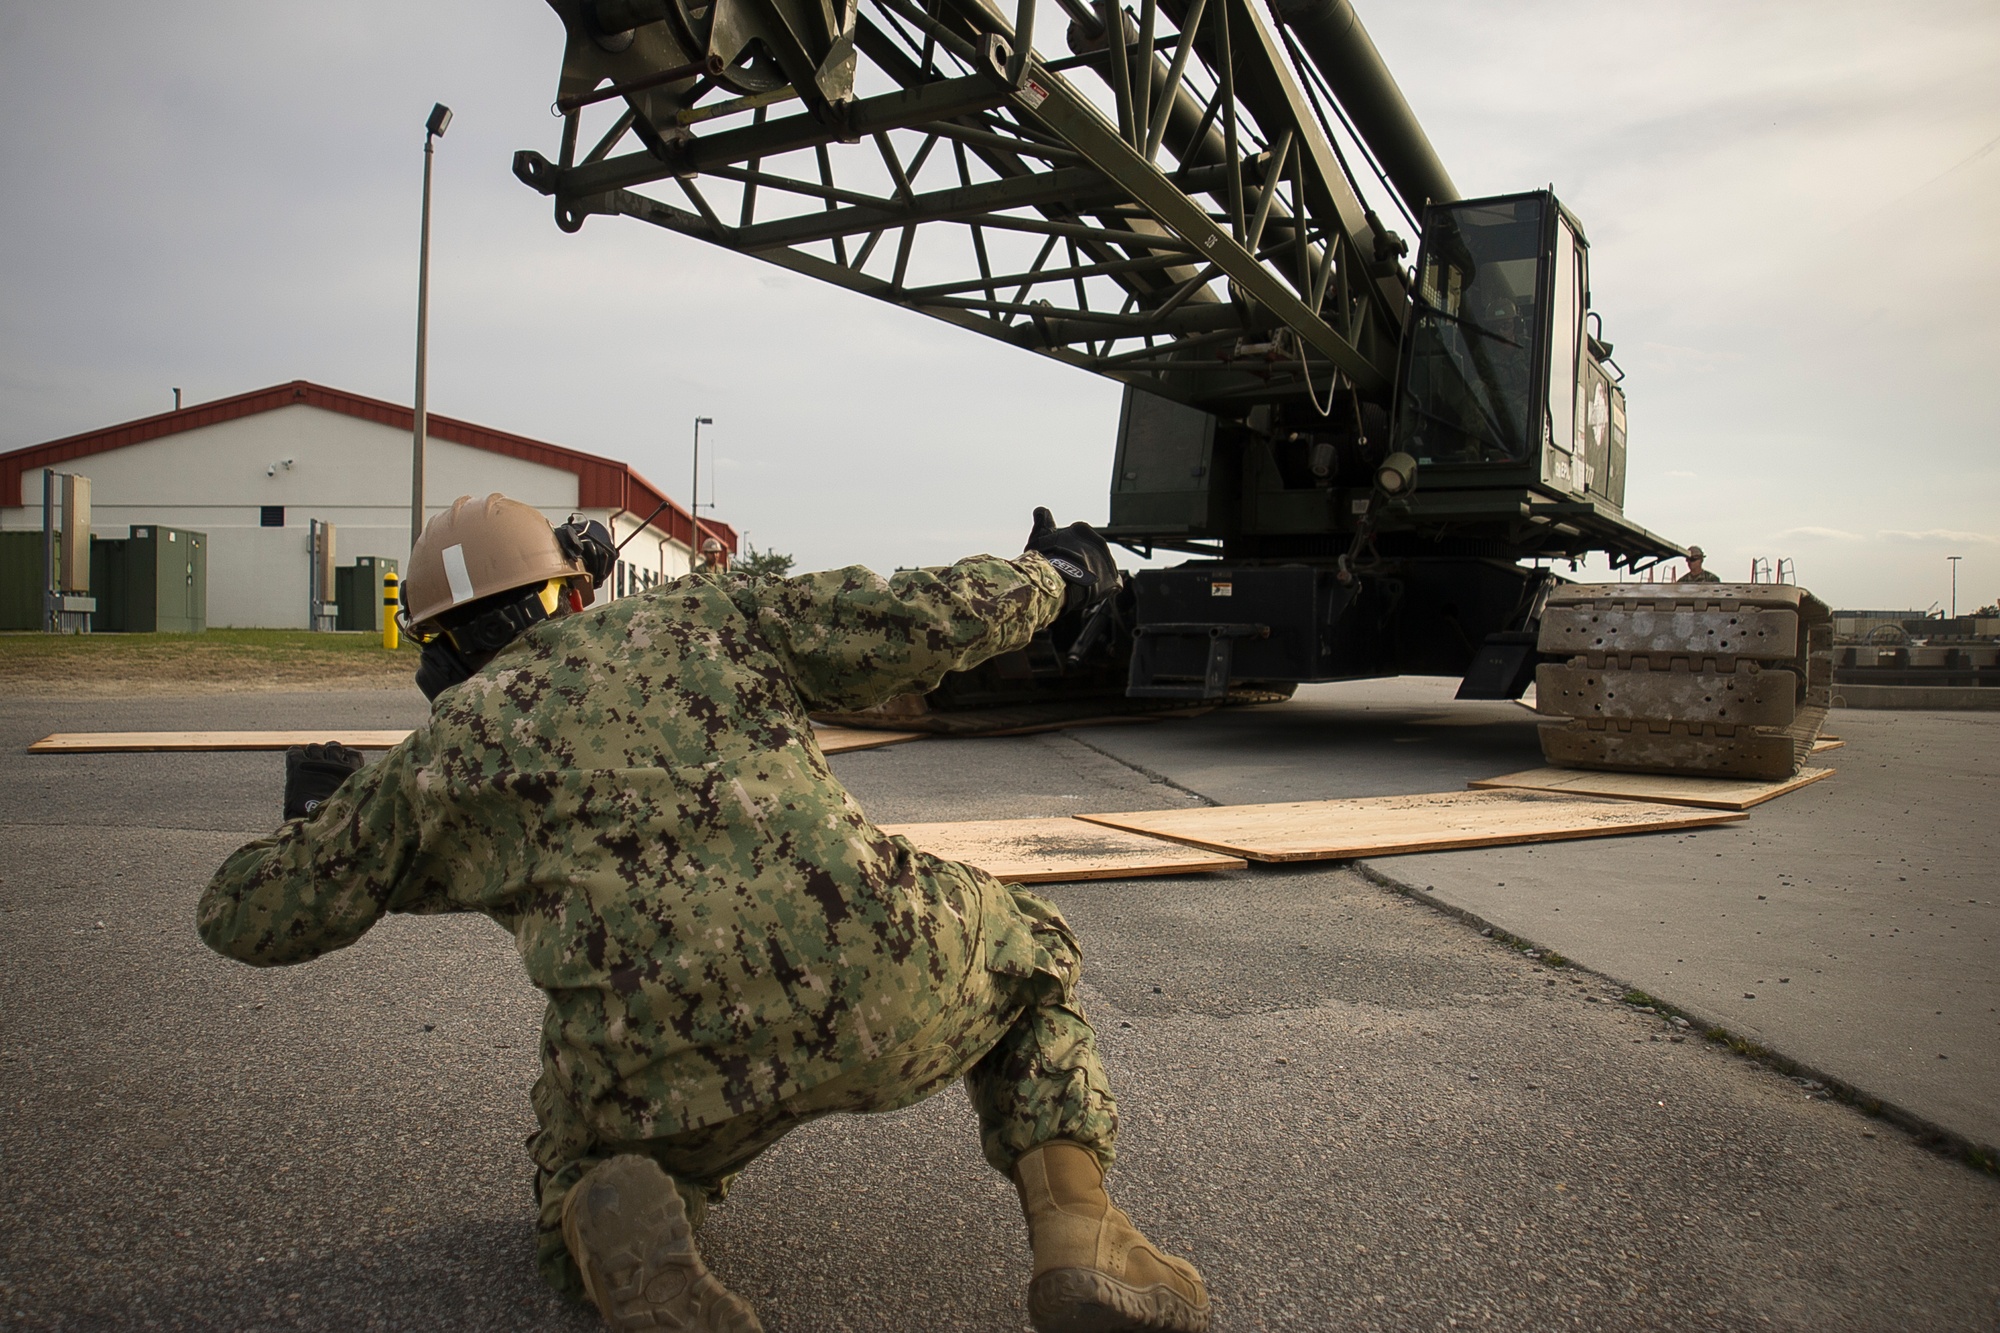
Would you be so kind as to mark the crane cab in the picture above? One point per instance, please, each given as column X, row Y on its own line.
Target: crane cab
column 1501, row 380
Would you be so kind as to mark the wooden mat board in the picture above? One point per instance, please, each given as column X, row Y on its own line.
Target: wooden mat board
column 839, row 740
column 103, row 742
column 1825, row 743
column 1711, row 793
column 1033, row 851
column 1397, row 825
column 832, row 740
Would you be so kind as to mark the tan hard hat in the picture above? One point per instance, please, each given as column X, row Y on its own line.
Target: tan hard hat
column 477, row 548
column 1696, row 553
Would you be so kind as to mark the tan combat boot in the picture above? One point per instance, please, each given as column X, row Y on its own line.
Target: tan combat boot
column 627, row 1229
column 1094, row 1271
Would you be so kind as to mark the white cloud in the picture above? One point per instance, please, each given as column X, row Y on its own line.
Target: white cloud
column 1941, row 536
column 1816, row 534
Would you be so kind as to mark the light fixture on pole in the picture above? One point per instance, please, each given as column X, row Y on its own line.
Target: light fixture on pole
column 434, row 129
column 694, row 487
column 1954, row 583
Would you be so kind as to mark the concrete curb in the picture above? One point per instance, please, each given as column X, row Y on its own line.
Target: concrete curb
column 1917, row 698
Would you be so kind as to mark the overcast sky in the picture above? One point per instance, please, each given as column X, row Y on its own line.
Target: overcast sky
column 1793, row 211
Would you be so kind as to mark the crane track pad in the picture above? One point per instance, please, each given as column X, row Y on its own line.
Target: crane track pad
column 1724, row 679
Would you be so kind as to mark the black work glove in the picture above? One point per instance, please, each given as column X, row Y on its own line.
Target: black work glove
column 315, row 772
column 1081, row 556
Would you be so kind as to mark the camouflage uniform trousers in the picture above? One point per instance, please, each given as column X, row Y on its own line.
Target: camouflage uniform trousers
column 1024, row 1048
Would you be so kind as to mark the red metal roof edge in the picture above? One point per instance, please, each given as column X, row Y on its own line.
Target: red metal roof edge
column 602, row 483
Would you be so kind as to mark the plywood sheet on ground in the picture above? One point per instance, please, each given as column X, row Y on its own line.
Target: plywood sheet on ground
column 1825, row 743
column 1395, row 825
column 1713, row 793
column 839, row 740
column 104, row 742
column 832, row 740
column 1032, row 851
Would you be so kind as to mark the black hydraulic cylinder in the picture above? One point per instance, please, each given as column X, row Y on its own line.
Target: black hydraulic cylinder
column 1332, row 37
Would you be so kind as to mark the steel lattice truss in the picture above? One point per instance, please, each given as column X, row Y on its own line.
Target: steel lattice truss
column 1179, row 221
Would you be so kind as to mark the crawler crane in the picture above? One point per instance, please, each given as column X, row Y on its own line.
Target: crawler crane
column 1370, row 464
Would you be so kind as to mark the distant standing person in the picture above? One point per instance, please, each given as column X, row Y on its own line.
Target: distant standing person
column 1695, row 572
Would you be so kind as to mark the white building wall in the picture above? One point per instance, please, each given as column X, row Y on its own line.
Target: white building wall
column 320, row 465
column 656, row 558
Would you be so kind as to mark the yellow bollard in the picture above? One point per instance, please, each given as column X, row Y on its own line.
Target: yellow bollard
column 391, row 598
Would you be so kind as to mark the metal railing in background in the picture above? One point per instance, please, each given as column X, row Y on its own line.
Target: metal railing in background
column 1764, row 570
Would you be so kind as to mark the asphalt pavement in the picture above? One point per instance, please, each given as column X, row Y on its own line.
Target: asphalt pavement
column 1345, row 1103
column 1852, row 926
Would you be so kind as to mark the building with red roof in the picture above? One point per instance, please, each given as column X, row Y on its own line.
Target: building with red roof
column 254, row 470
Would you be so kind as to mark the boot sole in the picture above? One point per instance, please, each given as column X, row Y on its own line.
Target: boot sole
column 1081, row 1300
column 629, row 1234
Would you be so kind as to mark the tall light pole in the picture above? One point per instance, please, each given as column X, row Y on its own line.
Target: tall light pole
column 1954, row 583
column 694, row 490
column 433, row 129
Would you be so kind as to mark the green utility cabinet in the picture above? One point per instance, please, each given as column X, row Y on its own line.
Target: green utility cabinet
column 107, row 583
column 357, row 588
column 156, row 580
column 20, row 580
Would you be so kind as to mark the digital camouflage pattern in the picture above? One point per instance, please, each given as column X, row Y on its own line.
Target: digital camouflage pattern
column 728, row 945
column 1025, row 1050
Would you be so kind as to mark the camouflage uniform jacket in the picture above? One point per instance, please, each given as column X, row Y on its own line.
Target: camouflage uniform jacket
column 634, row 792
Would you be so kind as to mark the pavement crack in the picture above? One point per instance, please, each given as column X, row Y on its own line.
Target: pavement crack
column 1160, row 778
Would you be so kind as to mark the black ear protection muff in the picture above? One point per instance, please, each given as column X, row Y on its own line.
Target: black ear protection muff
column 588, row 542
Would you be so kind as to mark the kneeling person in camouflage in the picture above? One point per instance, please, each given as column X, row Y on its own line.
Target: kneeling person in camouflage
column 729, row 947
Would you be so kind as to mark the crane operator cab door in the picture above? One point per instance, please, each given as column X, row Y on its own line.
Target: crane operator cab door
column 1501, row 382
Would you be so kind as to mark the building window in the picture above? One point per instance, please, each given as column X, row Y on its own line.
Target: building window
column 271, row 516
column 619, row 586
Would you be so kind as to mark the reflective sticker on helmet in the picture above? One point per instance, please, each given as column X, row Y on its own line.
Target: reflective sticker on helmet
column 456, row 575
